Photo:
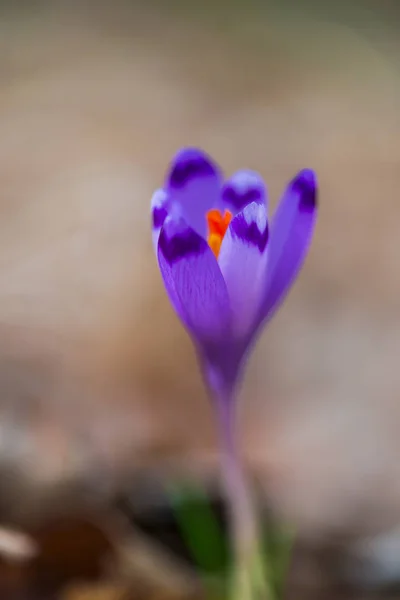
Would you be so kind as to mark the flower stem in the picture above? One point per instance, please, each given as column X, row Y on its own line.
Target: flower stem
column 249, row 582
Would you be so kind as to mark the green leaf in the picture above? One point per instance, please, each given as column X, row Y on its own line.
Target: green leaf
column 200, row 528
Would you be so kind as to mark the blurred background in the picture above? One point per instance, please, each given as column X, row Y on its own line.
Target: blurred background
column 100, row 392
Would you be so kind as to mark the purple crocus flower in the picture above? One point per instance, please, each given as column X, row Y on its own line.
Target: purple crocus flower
column 226, row 269
column 225, row 266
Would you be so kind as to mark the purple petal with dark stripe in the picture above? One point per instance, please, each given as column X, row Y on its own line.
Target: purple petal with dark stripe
column 183, row 242
column 194, row 183
column 250, row 232
column 190, row 164
column 243, row 188
column 305, row 187
column 243, row 262
column 291, row 233
column 159, row 216
column 159, row 212
column 194, row 282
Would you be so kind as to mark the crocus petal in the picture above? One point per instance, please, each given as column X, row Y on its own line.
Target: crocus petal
column 291, row 232
column 194, row 183
column 159, row 212
column 243, row 263
column 194, row 282
column 243, row 188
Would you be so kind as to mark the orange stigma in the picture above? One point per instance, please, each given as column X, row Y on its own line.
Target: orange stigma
column 217, row 226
